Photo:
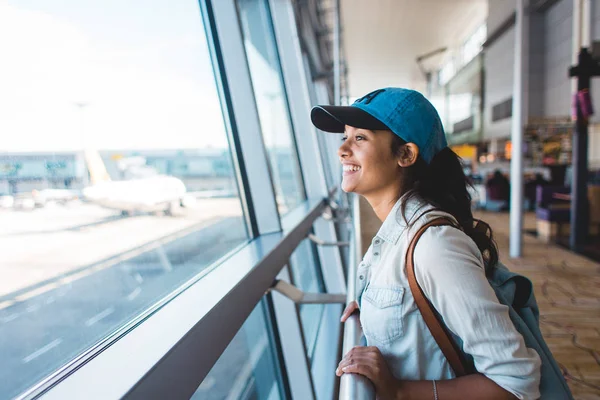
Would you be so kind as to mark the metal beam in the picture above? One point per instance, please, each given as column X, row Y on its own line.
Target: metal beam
column 299, row 297
column 336, row 55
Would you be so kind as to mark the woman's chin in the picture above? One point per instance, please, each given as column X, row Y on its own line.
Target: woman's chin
column 347, row 187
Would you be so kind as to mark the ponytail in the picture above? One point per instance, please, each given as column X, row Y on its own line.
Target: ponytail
column 443, row 184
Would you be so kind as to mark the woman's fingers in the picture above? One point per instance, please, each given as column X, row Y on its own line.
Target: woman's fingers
column 358, row 355
column 360, row 368
column 353, row 360
column 353, row 306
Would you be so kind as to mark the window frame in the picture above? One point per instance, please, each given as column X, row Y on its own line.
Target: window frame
column 296, row 81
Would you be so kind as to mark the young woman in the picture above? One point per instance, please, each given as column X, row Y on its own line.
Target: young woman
column 394, row 153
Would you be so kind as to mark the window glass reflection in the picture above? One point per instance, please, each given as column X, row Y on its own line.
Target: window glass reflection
column 116, row 180
column 307, row 277
column 248, row 368
column 265, row 71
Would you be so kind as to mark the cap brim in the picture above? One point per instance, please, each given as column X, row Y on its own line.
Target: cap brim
column 335, row 118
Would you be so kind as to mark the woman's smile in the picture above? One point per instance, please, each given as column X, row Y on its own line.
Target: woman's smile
column 351, row 169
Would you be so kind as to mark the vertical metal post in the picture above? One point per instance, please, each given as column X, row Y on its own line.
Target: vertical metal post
column 576, row 39
column 516, row 165
column 336, row 56
column 579, row 203
column 585, row 69
column 586, row 24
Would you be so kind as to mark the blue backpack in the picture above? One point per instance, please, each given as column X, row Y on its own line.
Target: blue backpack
column 512, row 290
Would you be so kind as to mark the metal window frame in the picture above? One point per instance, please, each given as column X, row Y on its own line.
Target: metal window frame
column 221, row 17
column 296, row 83
column 293, row 348
column 294, row 147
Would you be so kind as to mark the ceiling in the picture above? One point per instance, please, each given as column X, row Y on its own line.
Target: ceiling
column 383, row 38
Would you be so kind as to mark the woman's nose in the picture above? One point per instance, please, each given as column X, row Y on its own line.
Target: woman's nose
column 343, row 150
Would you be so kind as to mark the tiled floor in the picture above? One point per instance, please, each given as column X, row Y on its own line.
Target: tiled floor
column 567, row 289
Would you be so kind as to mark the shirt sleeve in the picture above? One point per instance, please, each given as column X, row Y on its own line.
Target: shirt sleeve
column 449, row 269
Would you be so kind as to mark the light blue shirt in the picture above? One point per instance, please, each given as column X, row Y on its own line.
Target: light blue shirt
column 449, row 269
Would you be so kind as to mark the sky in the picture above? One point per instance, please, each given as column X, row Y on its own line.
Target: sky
column 111, row 74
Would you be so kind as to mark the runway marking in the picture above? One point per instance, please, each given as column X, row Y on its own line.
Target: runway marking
column 41, row 351
column 134, row 294
column 11, row 317
column 33, row 308
column 61, row 282
column 74, row 277
column 36, row 292
column 99, row 316
column 6, row 304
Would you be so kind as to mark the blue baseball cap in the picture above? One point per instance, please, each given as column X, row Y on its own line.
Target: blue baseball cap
column 405, row 112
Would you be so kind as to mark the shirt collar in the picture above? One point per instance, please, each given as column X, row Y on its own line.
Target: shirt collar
column 394, row 224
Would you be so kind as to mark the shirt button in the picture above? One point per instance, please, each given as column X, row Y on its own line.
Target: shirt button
column 361, row 277
column 376, row 254
column 377, row 241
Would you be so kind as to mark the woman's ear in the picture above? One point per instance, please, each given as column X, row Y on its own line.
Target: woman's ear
column 408, row 155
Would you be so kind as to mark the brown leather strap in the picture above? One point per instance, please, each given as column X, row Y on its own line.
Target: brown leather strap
column 436, row 327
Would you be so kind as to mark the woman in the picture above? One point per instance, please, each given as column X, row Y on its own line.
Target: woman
column 394, row 153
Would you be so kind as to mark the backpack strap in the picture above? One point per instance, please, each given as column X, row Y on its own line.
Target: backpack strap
column 432, row 319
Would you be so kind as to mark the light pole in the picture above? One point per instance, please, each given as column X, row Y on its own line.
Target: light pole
column 81, row 105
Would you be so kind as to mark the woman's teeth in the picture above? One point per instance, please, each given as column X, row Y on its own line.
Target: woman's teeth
column 351, row 168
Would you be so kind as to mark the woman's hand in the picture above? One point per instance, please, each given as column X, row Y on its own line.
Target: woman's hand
column 352, row 306
column 369, row 361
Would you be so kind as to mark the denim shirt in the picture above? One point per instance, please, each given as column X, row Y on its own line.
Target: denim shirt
column 449, row 269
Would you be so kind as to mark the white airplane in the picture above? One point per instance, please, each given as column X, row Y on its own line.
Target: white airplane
column 157, row 193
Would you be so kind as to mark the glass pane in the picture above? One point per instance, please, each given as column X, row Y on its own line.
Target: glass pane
column 248, row 368
column 265, row 71
column 322, row 139
column 307, row 277
column 116, row 178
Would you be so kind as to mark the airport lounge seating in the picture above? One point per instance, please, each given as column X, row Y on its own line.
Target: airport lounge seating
column 553, row 215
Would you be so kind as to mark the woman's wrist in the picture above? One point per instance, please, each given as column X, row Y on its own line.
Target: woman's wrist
column 402, row 390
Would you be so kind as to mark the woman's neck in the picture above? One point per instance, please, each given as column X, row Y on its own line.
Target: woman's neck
column 383, row 203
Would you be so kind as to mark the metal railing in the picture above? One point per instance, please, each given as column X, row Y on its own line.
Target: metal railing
column 352, row 386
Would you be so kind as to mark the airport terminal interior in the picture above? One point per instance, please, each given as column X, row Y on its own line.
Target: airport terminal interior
column 172, row 224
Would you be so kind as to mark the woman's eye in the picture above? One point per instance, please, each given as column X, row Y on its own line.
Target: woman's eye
column 358, row 137
column 344, row 138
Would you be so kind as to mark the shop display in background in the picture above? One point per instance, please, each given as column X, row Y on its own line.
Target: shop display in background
column 549, row 141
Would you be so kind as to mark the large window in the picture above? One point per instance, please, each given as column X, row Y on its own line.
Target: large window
column 117, row 183
column 265, row 71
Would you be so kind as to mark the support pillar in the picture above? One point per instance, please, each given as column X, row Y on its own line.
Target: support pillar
column 516, row 165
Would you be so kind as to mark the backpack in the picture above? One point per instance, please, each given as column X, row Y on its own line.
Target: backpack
column 512, row 290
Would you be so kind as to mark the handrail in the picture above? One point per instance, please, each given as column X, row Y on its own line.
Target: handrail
column 353, row 386
column 194, row 315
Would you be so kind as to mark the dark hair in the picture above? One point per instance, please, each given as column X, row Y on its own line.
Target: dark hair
column 443, row 184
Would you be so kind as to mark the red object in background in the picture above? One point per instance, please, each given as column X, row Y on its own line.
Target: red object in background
column 582, row 101
column 585, row 103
